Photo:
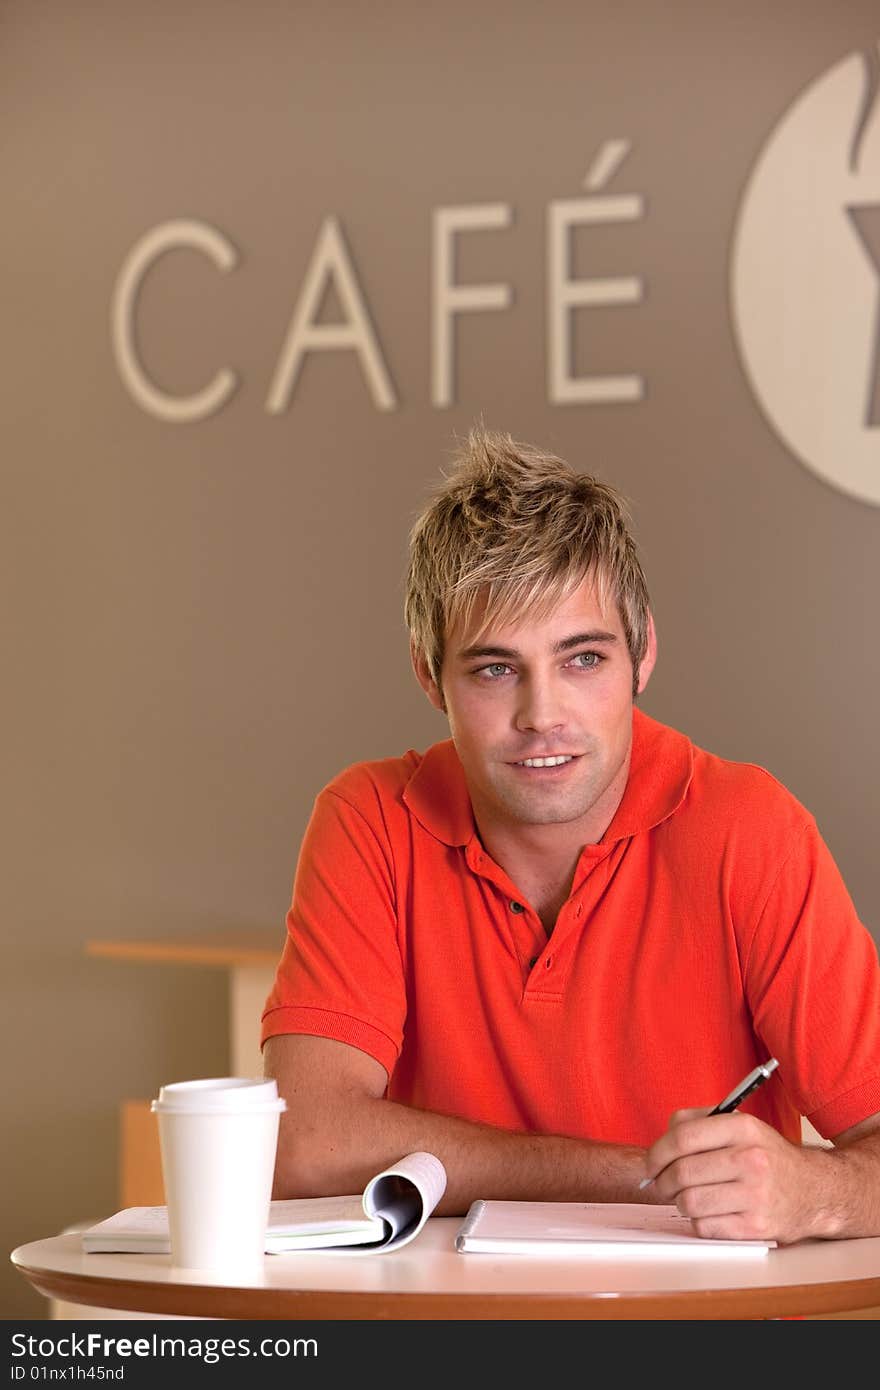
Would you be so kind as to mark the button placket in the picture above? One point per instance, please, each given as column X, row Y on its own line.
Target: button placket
column 520, row 910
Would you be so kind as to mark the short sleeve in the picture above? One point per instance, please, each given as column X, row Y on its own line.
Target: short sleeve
column 812, row 980
column 340, row 975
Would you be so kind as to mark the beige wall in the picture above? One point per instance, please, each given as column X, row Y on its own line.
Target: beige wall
column 203, row 620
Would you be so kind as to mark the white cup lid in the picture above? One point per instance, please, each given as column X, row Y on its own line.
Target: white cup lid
column 218, row 1094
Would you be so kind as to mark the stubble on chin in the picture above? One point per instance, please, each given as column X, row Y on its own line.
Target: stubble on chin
column 547, row 805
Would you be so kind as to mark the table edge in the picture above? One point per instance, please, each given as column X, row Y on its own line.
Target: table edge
column 213, row 1301
column 187, row 953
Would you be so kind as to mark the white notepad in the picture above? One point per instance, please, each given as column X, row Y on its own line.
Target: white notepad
column 609, row 1229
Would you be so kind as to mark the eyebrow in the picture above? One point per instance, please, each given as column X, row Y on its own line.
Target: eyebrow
column 579, row 639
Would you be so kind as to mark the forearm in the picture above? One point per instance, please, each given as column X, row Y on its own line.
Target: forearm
column 334, row 1149
column 845, row 1195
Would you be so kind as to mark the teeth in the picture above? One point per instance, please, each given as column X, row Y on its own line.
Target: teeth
column 547, row 762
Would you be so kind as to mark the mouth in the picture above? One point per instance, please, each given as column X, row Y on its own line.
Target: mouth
column 551, row 763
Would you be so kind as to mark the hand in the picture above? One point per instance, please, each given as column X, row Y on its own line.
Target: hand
column 735, row 1177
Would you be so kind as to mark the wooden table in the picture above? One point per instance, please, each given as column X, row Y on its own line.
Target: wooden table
column 250, row 962
column 429, row 1279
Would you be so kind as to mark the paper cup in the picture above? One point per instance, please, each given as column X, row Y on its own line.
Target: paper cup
column 221, row 1093
column 218, row 1139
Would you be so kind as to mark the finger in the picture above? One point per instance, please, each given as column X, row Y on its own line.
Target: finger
column 704, row 1183
column 743, row 1225
column 728, row 1210
column 703, row 1134
column 681, row 1116
column 714, row 1200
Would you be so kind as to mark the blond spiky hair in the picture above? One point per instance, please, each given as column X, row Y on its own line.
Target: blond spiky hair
column 521, row 529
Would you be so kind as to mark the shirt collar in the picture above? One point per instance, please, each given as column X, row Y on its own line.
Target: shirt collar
column 660, row 771
column 438, row 797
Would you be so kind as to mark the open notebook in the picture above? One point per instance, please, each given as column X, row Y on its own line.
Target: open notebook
column 610, row 1229
column 390, row 1212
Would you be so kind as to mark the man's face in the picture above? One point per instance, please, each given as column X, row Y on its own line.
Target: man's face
column 558, row 688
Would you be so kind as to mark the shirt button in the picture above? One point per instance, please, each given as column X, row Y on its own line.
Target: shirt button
column 517, row 907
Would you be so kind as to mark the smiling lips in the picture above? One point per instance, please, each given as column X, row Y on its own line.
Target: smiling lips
column 555, row 760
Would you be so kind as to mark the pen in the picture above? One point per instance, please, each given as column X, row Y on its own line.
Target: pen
column 746, row 1086
column 737, row 1096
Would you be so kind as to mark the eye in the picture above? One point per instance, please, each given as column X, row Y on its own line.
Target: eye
column 493, row 671
column 587, row 661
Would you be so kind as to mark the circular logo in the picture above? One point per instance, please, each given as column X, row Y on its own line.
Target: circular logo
column 805, row 277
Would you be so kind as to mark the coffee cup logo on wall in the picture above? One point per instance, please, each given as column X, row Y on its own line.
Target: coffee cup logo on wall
column 805, row 277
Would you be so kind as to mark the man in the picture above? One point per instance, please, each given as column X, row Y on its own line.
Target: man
column 527, row 948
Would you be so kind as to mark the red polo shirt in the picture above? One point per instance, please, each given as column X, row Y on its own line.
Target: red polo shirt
column 709, row 930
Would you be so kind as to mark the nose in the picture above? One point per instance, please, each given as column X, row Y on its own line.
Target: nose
column 540, row 709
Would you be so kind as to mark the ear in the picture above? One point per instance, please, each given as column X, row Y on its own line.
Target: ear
column 650, row 657
column 425, row 679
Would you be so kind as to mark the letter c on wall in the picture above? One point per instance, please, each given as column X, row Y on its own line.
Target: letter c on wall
column 168, row 236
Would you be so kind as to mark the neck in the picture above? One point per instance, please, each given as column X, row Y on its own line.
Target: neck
column 547, row 854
